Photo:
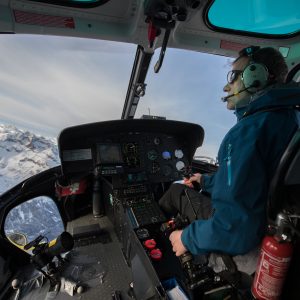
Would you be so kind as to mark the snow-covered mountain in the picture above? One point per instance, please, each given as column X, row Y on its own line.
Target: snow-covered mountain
column 23, row 154
column 35, row 217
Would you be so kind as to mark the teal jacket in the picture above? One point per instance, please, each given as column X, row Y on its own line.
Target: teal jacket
column 248, row 157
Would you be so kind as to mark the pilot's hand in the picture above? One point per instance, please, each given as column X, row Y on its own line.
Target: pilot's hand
column 194, row 178
column 178, row 247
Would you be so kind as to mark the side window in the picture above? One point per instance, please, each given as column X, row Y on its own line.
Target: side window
column 38, row 216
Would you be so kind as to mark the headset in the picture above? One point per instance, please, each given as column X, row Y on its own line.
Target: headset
column 255, row 76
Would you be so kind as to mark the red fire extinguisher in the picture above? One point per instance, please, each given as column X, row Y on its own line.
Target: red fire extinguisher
column 275, row 256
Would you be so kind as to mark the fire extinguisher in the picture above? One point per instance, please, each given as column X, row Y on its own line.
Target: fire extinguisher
column 275, row 256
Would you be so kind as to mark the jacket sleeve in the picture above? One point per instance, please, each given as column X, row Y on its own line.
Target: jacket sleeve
column 239, row 199
column 207, row 182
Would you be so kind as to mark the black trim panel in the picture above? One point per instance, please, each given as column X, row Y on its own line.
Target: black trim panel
column 72, row 3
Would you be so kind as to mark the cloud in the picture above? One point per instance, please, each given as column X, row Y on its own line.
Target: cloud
column 48, row 84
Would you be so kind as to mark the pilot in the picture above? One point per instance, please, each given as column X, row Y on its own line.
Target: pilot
column 233, row 219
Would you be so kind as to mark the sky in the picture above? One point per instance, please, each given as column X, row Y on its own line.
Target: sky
column 49, row 83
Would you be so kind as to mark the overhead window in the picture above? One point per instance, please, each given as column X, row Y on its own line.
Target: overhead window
column 75, row 3
column 256, row 17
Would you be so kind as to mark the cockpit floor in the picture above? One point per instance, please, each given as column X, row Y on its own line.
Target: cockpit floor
column 97, row 258
column 96, row 263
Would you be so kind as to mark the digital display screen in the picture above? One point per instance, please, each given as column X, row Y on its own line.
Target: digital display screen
column 109, row 154
column 137, row 177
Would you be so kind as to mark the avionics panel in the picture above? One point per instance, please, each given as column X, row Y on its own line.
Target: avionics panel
column 135, row 150
column 166, row 155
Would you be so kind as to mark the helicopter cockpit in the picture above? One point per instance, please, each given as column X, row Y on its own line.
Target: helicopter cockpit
column 111, row 238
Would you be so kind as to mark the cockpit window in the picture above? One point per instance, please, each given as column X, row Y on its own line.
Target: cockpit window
column 267, row 17
column 78, row 81
column 37, row 217
column 75, row 3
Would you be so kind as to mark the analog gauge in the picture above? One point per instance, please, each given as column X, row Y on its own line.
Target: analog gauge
column 180, row 165
column 178, row 153
column 152, row 154
column 167, row 170
column 155, row 167
column 156, row 141
column 166, row 155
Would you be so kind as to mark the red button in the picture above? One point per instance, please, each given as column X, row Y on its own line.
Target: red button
column 150, row 244
column 156, row 254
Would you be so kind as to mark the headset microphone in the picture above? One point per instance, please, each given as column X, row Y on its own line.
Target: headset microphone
column 256, row 83
column 224, row 99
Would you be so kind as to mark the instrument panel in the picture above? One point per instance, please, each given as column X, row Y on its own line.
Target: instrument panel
column 135, row 150
column 165, row 156
column 140, row 156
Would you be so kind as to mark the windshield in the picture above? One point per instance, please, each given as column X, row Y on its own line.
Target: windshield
column 49, row 83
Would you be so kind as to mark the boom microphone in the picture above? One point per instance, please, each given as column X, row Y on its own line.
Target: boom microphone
column 224, row 99
column 256, row 83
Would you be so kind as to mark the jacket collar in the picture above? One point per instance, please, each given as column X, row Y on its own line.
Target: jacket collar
column 276, row 96
column 239, row 112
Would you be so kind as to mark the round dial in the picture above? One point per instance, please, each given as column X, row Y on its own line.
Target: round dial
column 167, row 170
column 178, row 153
column 180, row 165
column 166, row 155
column 156, row 141
column 152, row 154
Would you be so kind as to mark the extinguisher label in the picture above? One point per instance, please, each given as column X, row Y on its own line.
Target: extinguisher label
column 272, row 271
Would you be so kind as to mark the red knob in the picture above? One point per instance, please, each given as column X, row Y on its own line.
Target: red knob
column 156, row 254
column 150, row 244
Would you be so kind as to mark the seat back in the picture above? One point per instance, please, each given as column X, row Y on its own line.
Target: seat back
column 284, row 190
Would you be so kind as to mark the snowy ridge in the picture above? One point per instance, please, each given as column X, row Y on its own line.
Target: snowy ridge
column 38, row 216
column 23, row 154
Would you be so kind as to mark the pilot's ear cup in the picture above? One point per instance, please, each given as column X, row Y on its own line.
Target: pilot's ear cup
column 255, row 77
